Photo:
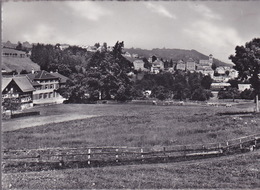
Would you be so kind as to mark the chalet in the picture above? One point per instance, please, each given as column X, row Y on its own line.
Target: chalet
column 19, row 89
column 45, row 85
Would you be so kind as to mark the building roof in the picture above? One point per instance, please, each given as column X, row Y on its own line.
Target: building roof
column 190, row 60
column 22, row 82
column 43, row 75
column 5, row 82
column 63, row 79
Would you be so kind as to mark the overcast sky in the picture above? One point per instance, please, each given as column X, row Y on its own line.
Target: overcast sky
column 210, row 27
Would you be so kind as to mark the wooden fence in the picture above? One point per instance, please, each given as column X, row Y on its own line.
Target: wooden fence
column 99, row 156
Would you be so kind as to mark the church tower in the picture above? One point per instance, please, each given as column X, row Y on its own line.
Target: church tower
column 211, row 59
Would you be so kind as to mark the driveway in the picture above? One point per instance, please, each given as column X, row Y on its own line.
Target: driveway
column 32, row 121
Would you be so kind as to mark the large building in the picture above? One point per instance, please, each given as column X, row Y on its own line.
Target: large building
column 45, row 85
column 206, row 63
column 181, row 65
column 190, row 65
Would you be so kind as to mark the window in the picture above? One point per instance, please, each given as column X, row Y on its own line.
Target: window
column 46, row 86
column 45, row 95
column 51, row 86
column 40, row 96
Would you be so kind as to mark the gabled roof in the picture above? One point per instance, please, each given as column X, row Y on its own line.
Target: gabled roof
column 190, row 60
column 5, row 82
column 42, row 75
column 22, row 82
column 63, row 79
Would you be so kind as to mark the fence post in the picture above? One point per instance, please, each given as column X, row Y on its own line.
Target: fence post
column 164, row 153
column 255, row 141
column 219, row 148
column 227, row 146
column 89, row 152
column 116, row 155
column 142, row 156
column 240, row 144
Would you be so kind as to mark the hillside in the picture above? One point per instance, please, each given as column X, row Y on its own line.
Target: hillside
column 174, row 54
column 19, row 64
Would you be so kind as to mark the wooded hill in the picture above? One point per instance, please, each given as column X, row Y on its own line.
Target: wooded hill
column 174, row 54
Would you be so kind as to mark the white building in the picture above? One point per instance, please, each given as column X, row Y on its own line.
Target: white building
column 242, row 87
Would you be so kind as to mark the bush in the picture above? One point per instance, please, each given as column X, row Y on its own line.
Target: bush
column 201, row 94
column 230, row 93
column 247, row 94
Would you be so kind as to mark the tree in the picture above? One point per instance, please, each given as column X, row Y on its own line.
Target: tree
column 147, row 64
column 105, row 77
column 230, row 93
column 19, row 46
column 247, row 63
column 206, row 82
column 97, row 45
column 11, row 104
column 214, row 66
column 201, row 94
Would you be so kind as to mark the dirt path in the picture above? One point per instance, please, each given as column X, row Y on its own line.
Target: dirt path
column 24, row 122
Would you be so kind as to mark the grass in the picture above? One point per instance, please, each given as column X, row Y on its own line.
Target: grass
column 240, row 171
column 139, row 125
column 132, row 125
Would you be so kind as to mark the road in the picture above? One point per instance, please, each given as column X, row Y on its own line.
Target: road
column 32, row 121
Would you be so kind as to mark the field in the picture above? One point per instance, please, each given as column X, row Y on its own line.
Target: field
column 137, row 126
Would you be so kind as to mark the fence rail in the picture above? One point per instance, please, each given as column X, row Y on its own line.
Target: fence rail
column 92, row 156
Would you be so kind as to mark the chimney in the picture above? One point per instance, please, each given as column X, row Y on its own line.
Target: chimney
column 32, row 71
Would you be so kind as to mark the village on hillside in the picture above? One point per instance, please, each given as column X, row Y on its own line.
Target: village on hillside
column 29, row 85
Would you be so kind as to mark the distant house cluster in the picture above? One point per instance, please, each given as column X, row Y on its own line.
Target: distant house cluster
column 34, row 88
column 220, row 74
column 14, row 53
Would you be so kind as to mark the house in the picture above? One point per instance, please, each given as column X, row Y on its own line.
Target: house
column 219, row 86
column 138, row 65
column 180, row 65
column 157, row 66
column 190, row 65
column 221, row 70
column 242, row 87
column 19, row 89
column 208, row 71
column 64, row 46
column 45, row 85
column 233, row 73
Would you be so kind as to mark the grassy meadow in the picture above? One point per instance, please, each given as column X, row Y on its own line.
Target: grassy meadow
column 139, row 126
column 132, row 125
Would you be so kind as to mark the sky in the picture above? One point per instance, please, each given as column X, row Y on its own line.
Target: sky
column 210, row 27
